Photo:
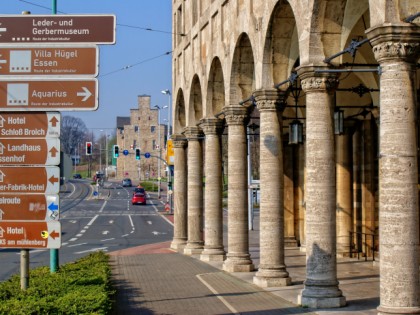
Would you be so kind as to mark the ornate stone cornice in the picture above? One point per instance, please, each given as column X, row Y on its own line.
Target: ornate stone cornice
column 236, row 115
column 312, row 84
column 395, row 41
column 211, row 126
column 193, row 133
column 270, row 99
column 178, row 141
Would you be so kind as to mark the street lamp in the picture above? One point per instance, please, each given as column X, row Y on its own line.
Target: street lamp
column 167, row 92
column 106, row 153
column 169, row 197
column 160, row 152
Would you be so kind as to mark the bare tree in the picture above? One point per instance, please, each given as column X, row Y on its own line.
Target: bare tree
column 73, row 134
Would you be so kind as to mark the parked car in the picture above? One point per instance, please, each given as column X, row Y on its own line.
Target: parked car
column 139, row 196
column 126, row 182
column 77, row 176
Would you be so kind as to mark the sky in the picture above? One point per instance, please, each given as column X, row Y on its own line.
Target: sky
column 136, row 65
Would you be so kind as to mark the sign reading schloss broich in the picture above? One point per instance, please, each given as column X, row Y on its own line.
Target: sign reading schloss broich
column 43, row 95
column 32, row 207
column 30, row 151
column 55, row 61
column 95, row 29
column 33, row 125
column 36, row 179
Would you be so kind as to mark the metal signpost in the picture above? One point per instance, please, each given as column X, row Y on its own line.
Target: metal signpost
column 41, row 73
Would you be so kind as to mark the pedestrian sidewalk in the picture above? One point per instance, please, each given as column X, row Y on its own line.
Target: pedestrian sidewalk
column 153, row 279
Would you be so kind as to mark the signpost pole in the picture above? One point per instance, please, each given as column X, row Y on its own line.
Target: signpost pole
column 24, row 269
column 54, row 252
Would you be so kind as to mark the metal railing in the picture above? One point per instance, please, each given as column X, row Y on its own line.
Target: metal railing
column 360, row 242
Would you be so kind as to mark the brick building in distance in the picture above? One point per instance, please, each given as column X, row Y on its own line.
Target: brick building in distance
column 140, row 130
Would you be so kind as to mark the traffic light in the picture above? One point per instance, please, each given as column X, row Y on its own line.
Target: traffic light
column 116, row 151
column 88, row 148
column 137, row 154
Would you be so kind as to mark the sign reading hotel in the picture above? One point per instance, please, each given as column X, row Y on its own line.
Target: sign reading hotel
column 98, row 29
column 46, row 95
column 34, row 125
column 29, row 207
column 36, row 234
column 30, row 151
column 36, row 179
column 57, row 61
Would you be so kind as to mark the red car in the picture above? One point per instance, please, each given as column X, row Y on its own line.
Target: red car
column 139, row 196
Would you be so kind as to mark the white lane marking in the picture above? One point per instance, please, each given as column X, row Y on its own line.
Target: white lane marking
column 108, row 239
column 73, row 221
column 73, row 239
column 149, row 222
column 64, row 244
column 35, row 251
column 221, row 298
column 164, row 217
column 93, row 220
column 125, row 235
column 80, row 244
column 103, row 206
column 74, row 189
column 105, row 232
column 111, row 221
column 82, row 231
column 131, row 222
column 92, row 250
column 158, row 233
column 78, row 235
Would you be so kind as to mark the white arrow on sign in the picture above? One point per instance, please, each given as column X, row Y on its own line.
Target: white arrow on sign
column 86, row 94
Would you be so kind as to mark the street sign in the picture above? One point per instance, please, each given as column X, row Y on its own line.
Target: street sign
column 30, row 125
column 147, row 155
column 30, row 151
column 31, row 234
column 47, row 60
column 44, row 95
column 36, row 179
column 99, row 29
column 29, row 207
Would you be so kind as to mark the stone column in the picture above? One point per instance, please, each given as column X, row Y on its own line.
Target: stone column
column 301, row 195
column 344, row 194
column 180, row 193
column 321, row 285
column 397, row 49
column 195, row 191
column 213, row 207
column 238, row 258
column 272, row 269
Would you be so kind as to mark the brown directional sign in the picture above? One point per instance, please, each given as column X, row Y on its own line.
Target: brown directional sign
column 58, row 60
column 29, row 207
column 99, row 29
column 29, row 179
column 30, row 125
column 30, row 151
column 43, row 95
column 30, row 234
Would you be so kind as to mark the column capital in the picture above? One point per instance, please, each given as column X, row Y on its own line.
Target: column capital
column 193, row 133
column 236, row 115
column 211, row 126
column 270, row 99
column 317, row 82
column 393, row 41
column 178, row 141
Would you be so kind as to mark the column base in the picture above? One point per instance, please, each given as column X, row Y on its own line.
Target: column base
column 213, row 255
column 178, row 244
column 319, row 302
column 302, row 248
column 268, row 282
column 193, row 248
column 384, row 310
column 238, row 263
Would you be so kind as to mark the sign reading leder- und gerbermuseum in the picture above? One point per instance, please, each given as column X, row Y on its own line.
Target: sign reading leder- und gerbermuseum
column 37, row 29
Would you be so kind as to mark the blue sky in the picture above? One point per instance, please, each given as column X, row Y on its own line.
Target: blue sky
column 118, row 91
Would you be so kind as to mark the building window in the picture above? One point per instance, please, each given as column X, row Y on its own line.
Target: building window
column 152, row 129
column 136, row 128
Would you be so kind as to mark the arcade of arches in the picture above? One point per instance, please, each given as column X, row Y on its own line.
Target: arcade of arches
column 233, row 62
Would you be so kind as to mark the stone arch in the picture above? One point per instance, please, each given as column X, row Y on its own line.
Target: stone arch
column 242, row 77
column 281, row 47
column 195, row 110
column 180, row 113
column 215, row 89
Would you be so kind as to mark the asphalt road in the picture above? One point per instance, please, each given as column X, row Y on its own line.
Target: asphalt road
column 89, row 223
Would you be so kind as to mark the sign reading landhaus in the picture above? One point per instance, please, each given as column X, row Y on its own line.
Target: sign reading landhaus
column 99, row 29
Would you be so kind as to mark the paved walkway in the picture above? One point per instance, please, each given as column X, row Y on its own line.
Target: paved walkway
column 153, row 279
